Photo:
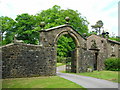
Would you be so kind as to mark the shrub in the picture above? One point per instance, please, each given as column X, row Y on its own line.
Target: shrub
column 112, row 64
column 61, row 59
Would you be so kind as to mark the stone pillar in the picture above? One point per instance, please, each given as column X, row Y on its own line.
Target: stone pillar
column 77, row 59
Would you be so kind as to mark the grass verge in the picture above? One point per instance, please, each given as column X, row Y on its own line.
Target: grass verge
column 39, row 82
column 106, row 75
column 60, row 64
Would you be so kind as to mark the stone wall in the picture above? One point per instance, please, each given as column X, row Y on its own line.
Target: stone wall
column 86, row 60
column 101, row 43
column 22, row 60
column 107, row 48
column 113, row 49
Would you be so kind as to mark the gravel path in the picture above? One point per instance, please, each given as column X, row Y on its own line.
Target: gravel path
column 87, row 82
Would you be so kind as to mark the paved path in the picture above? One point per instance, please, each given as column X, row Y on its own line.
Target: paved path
column 88, row 82
column 61, row 68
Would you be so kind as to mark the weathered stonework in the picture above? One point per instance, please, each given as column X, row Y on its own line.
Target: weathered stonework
column 25, row 60
column 87, row 58
column 21, row 60
column 107, row 48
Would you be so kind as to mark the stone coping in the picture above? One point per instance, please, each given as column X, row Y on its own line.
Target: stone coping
column 112, row 41
column 20, row 44
column 61, row 26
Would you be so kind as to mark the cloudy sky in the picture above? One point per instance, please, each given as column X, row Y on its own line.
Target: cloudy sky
column 93, row 10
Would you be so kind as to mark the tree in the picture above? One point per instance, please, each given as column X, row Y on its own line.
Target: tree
column 55, row 16
column 98, row 26
column 65, row 46
column 7, row 29
column 25, row 25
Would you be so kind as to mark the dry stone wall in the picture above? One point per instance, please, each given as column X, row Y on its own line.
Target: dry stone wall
column 22, row 60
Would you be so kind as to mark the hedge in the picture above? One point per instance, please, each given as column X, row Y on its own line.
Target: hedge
column 112, row 64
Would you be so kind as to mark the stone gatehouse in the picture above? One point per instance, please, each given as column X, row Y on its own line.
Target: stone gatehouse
column 26, row 60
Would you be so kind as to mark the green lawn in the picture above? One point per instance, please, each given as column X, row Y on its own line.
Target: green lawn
column 60, row 64
column 39, row 82
column 107, row 75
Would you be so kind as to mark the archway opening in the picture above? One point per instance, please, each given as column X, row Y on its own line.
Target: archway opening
column 66, row 53
column 95, row 61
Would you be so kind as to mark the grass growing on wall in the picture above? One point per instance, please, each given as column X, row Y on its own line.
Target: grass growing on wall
column 39, row 82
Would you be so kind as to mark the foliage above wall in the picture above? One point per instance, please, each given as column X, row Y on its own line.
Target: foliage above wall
column 115, row 38
column 65, row 46
column 26, row 26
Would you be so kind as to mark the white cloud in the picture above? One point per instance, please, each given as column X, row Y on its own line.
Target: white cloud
column 93, row 10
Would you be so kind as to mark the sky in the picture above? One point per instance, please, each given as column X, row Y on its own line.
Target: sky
column 93, row 10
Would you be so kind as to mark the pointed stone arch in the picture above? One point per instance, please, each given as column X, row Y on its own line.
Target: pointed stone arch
column 49, row 38
column 72, row 35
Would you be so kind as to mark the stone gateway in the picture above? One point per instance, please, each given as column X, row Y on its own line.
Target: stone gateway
column 26, row 60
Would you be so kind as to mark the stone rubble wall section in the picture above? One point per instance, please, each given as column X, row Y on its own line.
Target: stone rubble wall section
column 21, row 60
column 87, row 60
column 26, row 60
